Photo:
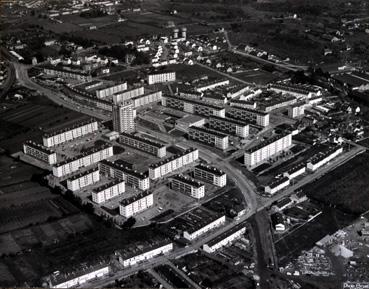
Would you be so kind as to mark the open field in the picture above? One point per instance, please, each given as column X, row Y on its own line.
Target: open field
column 347, row 187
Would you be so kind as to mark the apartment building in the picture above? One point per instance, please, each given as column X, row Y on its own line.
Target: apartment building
column 206, row 85
column 136, row 254
column 109, row 90
column 209, row 137
column 225, row 238
column 67, row 73
column 267, row 149
column 277, row 185
column 119, row 170
column 202, row 225
column 136, row 204
column 40, row 152
column 229, row 125
column 143, row 144
column 211, row 175
column 299, row 90
column 108, row 191
column 188, row 186
column 70, row 133
column 84, row 179
column 123, row 117
column 124, row 96
column 168, row 165
column 161, row 77
column 87, row 158
column 255, row 116
column 296, row 110
column 192, row 106
column 147, row 98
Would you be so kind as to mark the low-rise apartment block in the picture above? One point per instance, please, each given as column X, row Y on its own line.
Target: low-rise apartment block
column 256, row 116
column 267, row 149
column 277, row 185
column 209, row 137
column 229, row 125
column 295, row 171
column 192, row 106
column 168, row 165
column 40, row 152
column 298, row 90
column 108, row 191
column 78, row 276
column 82, row 180
column 67, row 73
column 131, row 256
column 211, row 175
column 161, row 77
column 188, row 186
column 225, row 238
column 136, row 204
column 119, row 170
column 205, row 85
column 323, row 158
column 89, row 157
column 67, row 134
column 143, row 144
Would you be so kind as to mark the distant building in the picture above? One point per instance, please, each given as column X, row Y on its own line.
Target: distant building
column 66, row 73
column 299, row 90
column 136, row 204
column 40, row 152
column 188, row 186
column 123, row 117
column 161, row 77
column 211, row 175
column 205, row 85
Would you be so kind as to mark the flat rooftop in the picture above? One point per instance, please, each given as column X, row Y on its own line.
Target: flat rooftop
column 188, row 180
column 122, row 166
column 226, row 234
column 130, row 200
column 197, row 102
column 171, row 158
column 208, row 131
column 210, row 169
column 142, row 139
column 75, row 125
column 266, row 142
column 39, row 147
column 141, row 248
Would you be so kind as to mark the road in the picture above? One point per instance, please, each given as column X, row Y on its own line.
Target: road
column 9, row 81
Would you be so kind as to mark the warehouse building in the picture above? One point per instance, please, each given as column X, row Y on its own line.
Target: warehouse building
column 143, row 144
column 229, row 125
column 192, row 106
column 67, row 134
column 84, row 179
column 209, row 137
column 211, row 175
column 89, row 157
column 40, row 152
column 119, row 170
column 136, row 204
column 175, row 162
column 136, row 254
column 255, row 116
column 108, row 191
column 188, row 186
column 267, row 149
column 225, row 239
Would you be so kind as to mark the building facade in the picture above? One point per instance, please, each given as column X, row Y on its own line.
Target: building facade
column 123, row 117
column 267, row 149
column 147, row 98
column 143, row 144
column 78, row 130
column 258, row 117
column 188, row 186
column 85, row 179
column 40, row 152
column 136, row 204
column 229, row 125
column 195, row 232
column 225, row 239
column 211, row 175
column 110, row 90
column 108, row 191
column 209, row 137
column 161, row 77
column 124, row 96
